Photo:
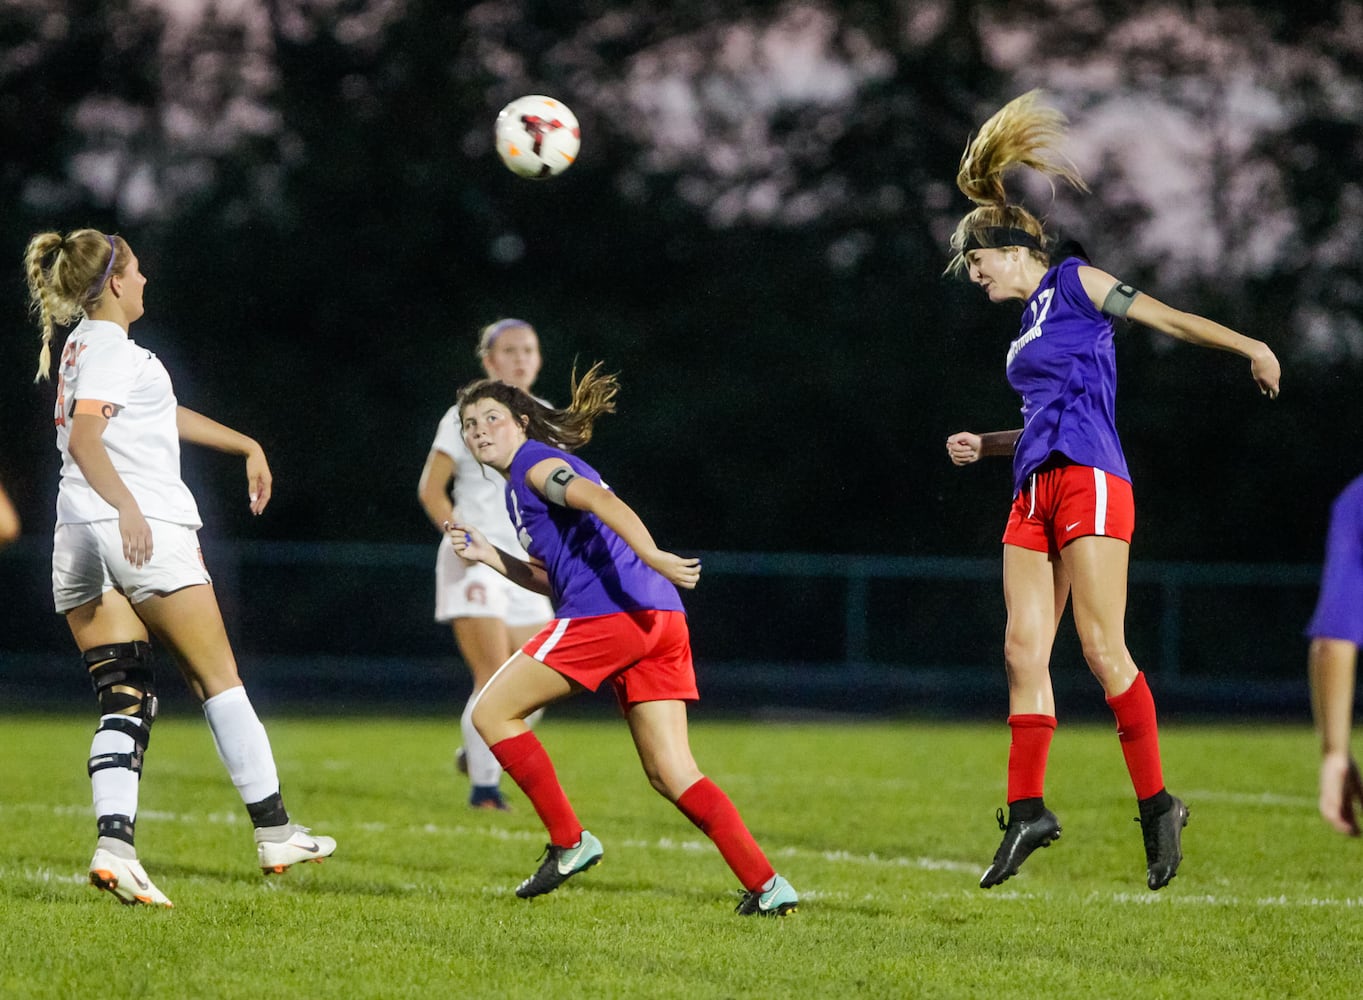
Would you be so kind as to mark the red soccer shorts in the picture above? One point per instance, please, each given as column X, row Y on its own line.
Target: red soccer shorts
column 1068, row 502
column 646, row 655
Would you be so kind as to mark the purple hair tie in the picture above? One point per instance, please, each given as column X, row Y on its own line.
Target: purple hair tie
column 494, row 331
column 108, row 270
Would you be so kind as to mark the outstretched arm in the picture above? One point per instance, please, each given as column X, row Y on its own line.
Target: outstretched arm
column 580, row 493
column 965, row 447
column 198, row 429
column 1332, row 665
column 1188, row 327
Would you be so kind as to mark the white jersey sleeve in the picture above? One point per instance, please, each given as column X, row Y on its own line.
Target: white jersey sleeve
column 142, row 439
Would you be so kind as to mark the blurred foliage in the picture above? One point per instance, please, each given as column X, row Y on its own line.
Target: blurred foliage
column 315, row 199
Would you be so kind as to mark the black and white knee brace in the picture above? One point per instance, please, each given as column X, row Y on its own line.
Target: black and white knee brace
column 124, row 682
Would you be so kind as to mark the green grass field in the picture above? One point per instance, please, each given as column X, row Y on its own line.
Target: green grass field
column 883, row 827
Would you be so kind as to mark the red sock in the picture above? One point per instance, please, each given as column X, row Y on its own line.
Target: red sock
column 706, row 805
column 524, row 758
column 1139, row 733
column 1027, row 755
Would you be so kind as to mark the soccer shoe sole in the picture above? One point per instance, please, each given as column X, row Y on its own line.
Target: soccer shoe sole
column 106, row 880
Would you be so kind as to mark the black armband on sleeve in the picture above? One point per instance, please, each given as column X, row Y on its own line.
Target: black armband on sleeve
column 556, row 486
column 1119, row 300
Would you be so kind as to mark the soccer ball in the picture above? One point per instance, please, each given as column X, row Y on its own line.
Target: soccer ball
column 537, row 136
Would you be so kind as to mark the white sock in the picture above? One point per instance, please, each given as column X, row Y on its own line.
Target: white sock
column 242, row 744
column 114, row 788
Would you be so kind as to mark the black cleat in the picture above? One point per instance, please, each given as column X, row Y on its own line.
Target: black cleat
column 777, row 901
column 1163, row 836
column 561, row 864
column 1020, row 839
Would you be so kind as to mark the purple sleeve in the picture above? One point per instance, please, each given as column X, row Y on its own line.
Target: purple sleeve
column 1339, row 610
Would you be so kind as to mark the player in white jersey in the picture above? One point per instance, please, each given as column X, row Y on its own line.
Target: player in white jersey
column 490, row 616
column 126, row 564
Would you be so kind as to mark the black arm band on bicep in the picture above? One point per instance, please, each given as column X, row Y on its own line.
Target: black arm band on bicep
column 556, row 486
column 1119, row 300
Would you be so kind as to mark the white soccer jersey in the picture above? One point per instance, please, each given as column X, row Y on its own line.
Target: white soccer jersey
column 99, row 362
column 478, row 492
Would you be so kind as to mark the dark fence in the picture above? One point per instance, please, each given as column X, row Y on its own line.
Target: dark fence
column 348, row 626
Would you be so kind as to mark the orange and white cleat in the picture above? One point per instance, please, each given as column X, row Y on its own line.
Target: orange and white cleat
column 281, row 847
column 125, row 880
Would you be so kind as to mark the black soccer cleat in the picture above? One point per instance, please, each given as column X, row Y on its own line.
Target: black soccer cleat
column 1163, row 835
column 777, row 901
column 561, row 864
column 1020, row 839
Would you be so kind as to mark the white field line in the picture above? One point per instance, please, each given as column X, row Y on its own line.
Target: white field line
column 1249, row 798
column 891, row 862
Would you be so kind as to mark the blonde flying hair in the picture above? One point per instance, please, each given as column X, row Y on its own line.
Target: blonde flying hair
column 569, row 428
column 67, row 276
column 1024, row 132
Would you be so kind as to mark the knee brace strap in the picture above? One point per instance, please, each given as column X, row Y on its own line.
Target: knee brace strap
column 139, row 734
column 118, row 826
column 139, row 731
column 123, row 679
column 128, row 761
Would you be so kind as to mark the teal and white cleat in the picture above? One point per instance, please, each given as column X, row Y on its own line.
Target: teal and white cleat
column 561, row 864
column 777, row 901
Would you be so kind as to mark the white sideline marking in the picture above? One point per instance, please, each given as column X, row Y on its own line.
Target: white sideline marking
column 1193, row 796
column 49, row 875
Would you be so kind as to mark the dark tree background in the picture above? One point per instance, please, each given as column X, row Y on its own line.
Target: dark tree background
column 314, row 196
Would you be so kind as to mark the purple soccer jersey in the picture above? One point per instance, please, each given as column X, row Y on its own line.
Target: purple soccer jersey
column 1064, row 366
column 1339, row 610
column 592, row 571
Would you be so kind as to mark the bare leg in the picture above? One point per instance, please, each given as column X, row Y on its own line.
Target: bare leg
column 485, row 644
column 521, row 686
column 1034, row 590
column 189, row 623
column 660, row 735
column 1097, row 567
column 107, row 619
column 1332, row 665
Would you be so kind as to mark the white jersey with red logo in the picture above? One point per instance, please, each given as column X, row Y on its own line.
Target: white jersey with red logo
column 100, row 363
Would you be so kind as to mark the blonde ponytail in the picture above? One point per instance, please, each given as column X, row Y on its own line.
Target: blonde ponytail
column 1024, row 132
column 61, row 292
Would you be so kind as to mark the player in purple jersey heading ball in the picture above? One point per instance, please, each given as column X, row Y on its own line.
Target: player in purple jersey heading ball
column 619, row 619
column 1069, row 532
column 1336, row 632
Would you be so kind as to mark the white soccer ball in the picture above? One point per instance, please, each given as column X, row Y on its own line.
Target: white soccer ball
column 537, row 136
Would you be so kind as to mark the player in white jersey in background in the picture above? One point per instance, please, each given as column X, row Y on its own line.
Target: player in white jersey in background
column 126, row 563
column 490, row 616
